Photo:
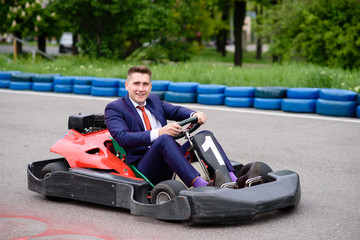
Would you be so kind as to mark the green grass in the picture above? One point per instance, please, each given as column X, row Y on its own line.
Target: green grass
column 208, row 67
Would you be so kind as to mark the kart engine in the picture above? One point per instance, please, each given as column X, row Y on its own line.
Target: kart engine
column 86, row 123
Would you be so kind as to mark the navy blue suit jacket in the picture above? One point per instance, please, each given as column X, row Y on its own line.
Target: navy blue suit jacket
column 126, row 126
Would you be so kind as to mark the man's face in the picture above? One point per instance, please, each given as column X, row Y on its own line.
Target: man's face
column 139, row 87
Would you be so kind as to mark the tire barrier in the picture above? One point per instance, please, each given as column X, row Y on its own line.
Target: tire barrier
column 270, row 92
column 239, row 102
column 43, row 86
column 211, row 99
column 4, row 83
column 20, row 85
column 180, row 97
column 122, row 92
column 302, row 93
column 239, row 97
column 298, row 105
column 330, row 102
column 210, row 89
column 183, row 87
column 267, row 103
column 104, row 91
column 336, row 108
column 161, row 94
column 160, row 85
column 337, row 95
column 63, row 84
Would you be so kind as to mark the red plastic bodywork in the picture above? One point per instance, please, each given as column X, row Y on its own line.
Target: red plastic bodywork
column 89, row 151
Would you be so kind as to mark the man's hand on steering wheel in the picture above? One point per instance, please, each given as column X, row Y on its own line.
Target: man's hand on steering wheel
column 201, row 117
column 171, row 129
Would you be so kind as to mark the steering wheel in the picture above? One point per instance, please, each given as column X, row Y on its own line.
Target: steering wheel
column 191, row 128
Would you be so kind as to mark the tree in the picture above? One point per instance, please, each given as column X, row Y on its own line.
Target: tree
column 325, row 32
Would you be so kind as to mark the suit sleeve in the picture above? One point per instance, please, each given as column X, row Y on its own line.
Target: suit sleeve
column 119, row 124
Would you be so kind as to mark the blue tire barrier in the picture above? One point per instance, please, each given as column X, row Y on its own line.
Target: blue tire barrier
column 267, row 103
column 358, row 99
column 183, row 87
column 63, row 88
column 122, row 92
column 210, row 89
column 239, row 102
column 298, row 105
column 303, row 93
column 83, row 89
column 46, row 78
column 6, row 75
column 22, row 77
column 121, row 83
column 161, row 94
column 240, row 92
column 83, row 80
column 104, row 91
column 160, row 85
column 43, row 86
column 336, row 108
column 358, row 111
column 106, row 82
column 180, row 97
column 4, row 83
column 337, row 94
column 63, row 80
column 211, row 99
column 20, row 85
column 270, row 92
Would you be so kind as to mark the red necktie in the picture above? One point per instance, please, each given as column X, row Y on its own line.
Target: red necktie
column 146, row 118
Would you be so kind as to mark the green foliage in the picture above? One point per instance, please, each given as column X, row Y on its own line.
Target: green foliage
column 30, row 17
column 325, row 32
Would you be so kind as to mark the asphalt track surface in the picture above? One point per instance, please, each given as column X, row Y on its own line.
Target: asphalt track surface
column 324, row 151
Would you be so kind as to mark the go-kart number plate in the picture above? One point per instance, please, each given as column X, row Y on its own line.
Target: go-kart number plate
column 209, row 151
column 210, row 145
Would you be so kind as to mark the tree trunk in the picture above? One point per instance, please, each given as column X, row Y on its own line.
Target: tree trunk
column 75, row 50
column 18, row 44
column 239, row 17
column 222, row 35
column 41, row 42
column 258, row 39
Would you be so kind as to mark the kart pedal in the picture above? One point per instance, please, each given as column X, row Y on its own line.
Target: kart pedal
column 232, row 185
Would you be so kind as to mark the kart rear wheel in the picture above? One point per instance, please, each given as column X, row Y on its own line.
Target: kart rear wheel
column 165, row 191
column 53, row 167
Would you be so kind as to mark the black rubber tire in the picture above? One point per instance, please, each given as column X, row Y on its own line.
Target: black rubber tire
column 22, row 77
column 53, row 167
column 270, row 92
column 264, row 170
column 165, row 191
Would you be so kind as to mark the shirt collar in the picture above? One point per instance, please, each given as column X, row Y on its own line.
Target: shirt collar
column 136, row 104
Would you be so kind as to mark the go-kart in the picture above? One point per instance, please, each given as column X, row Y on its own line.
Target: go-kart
column 93, row 168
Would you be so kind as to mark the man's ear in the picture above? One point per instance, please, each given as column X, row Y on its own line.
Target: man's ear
column 126, row 85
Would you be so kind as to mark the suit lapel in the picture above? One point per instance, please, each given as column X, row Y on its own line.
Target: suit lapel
column 154, row 108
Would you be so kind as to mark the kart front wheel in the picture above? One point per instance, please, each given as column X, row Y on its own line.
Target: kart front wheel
column 53, row 167
column 165, row 191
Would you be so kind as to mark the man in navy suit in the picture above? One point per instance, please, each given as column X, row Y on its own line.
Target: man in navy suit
column 151, row 148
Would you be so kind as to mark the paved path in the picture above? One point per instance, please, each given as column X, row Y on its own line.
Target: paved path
column 324, row 151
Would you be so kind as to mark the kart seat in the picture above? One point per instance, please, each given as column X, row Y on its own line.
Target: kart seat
column 121, row 153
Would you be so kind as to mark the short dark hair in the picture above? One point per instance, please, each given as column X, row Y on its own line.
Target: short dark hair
column 139, row 69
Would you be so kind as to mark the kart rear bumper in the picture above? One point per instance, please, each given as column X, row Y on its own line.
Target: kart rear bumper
column 204, row 204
